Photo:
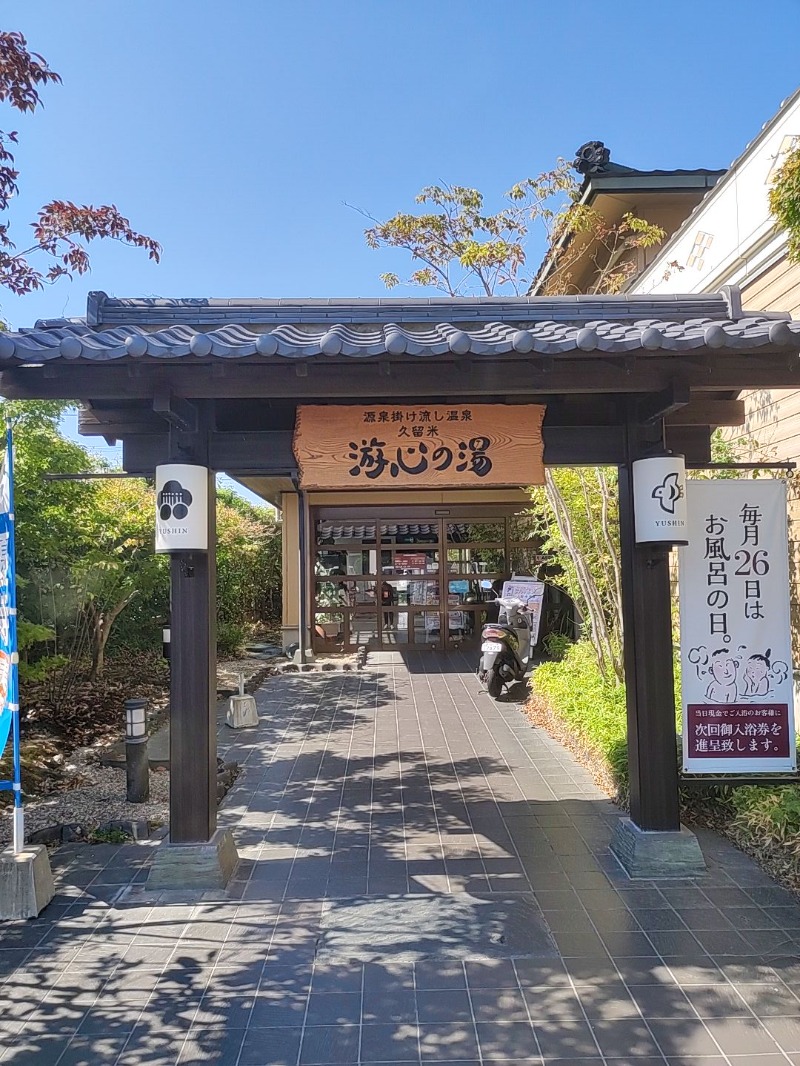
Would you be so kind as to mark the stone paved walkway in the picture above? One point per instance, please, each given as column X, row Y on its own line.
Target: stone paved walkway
column 425, row 878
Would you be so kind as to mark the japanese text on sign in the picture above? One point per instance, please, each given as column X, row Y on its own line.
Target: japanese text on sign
column 419, row 445
column 735, row 638
column 370, row 458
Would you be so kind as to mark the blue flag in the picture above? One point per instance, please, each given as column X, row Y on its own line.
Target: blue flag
column 8, row 698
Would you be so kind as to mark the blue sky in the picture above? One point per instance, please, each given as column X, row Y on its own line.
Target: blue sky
column 234, row 132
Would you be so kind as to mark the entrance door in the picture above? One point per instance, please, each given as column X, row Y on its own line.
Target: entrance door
column 387, row 582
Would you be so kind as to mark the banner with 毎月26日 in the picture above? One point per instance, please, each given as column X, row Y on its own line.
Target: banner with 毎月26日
column 736, row 667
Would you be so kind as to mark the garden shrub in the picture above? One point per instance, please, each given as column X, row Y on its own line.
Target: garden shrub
column 231, row 639
column 590, row 707
column 586, row 713
column 768, row 813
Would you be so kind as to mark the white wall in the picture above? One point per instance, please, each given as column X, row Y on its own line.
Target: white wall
column 731, row 236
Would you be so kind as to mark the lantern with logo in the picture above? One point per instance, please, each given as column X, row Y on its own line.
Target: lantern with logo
column 181, row 508
column 659, row 500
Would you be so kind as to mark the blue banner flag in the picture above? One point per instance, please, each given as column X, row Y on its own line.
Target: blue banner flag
column 7, row 597
column 9, row 659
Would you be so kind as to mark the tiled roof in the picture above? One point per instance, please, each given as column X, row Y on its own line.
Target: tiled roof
column 364, row 328
column 106, row 312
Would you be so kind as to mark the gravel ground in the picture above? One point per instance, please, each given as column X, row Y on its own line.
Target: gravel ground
column 99, row 796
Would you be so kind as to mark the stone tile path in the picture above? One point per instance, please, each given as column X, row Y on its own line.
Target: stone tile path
column 424, row 879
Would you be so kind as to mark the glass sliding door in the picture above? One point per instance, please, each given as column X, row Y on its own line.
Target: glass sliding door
column 387, row 583
column 476, row 560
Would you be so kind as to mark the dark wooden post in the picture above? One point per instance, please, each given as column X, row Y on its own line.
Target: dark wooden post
column 647, row 621
column 193, row 732
column 652, row 842
column 193, row 736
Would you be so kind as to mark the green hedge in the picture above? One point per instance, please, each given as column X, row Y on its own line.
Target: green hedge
column 591, row 707
column 584, row 708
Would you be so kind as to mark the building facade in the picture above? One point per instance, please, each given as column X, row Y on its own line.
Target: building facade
column 731, row 239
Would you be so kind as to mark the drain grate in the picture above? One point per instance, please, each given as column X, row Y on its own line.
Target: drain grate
column 433, row 927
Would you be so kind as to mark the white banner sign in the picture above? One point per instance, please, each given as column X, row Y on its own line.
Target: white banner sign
column 181, row 508
column 531, row 592
column 735, row 632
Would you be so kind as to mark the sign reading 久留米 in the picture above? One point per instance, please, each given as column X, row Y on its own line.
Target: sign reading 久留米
column 379, row 446
column 736, row 674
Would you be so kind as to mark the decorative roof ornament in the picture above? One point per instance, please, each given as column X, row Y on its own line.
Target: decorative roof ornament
column 592, row 158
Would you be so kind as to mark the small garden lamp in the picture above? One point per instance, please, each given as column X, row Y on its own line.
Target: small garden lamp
column 137, row 762
column 135, row 725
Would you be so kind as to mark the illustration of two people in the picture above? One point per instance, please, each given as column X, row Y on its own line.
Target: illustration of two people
column 724, row 666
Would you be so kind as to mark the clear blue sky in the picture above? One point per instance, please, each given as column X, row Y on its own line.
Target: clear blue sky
column 233, row 132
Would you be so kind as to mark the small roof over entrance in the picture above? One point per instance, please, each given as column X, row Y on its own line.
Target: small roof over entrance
column 149, row 370
column 301, row 329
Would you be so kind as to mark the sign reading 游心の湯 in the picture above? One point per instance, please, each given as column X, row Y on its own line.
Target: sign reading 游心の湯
column 736, row 672
column 377, row 446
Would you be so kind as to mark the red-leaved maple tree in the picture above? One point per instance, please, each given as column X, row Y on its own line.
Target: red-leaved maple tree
column 62, row 229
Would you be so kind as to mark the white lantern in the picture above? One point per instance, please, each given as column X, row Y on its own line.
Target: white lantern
column 181, row 508
column 659, row 500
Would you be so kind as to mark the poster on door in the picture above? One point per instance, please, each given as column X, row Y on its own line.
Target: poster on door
column 736, row 667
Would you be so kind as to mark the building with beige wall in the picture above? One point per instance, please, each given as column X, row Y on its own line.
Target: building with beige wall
column 731, row 239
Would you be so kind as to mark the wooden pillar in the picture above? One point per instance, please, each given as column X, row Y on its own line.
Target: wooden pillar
column 647, row 621
column 290, row 556
column 193, row 685
column 305, row 628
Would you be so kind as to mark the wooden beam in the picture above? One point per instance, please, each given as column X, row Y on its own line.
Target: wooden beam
column 193, row 735
column 704, row 412
column 409, row 380
column 175, row 410
column 651, row 409
column 118, row 421
column 268, row 453
column 650, row 699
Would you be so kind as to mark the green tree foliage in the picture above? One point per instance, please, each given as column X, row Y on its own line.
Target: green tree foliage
column 87, row 572
column 578, row 517
column 52, row 516
column 248, row 561
column 120, row 564
column 784, row 201
column 463, row 248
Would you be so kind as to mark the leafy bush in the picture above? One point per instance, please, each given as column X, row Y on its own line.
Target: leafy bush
column 768, row 813
column 231, row 639
column 784, row 201
column 591, row 708
column 572, row 701
column 556, row 645
column 42, row 668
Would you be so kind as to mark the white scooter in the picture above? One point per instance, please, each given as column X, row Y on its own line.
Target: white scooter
column 505, row 647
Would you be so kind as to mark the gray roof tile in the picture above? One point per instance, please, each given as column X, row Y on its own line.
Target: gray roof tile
column 296, row 336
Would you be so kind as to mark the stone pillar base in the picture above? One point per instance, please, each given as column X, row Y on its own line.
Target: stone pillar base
column 653, row 854
column 242, row 712
column 194, row 866
column 26, row 882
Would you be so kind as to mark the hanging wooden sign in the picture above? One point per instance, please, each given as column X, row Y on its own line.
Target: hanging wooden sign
column 379, row 446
